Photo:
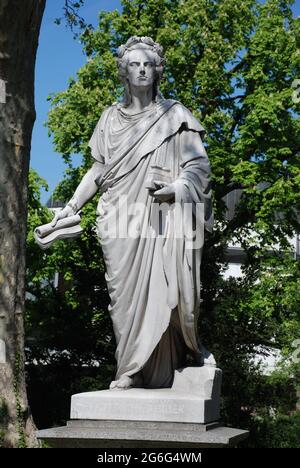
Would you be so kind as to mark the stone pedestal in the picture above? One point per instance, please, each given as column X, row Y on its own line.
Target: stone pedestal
column 185, row 415
column 140, row 434
column 193, row 398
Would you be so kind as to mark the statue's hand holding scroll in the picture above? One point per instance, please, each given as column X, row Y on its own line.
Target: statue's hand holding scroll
column 68, row 210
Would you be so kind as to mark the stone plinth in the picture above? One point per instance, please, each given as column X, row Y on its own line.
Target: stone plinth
column 140, row 434
column 193, row 398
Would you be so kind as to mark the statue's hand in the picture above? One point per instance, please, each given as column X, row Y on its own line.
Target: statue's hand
column 64, row 213
column 164, row 192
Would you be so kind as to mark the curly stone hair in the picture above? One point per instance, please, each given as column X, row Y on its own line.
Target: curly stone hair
column 140, row 42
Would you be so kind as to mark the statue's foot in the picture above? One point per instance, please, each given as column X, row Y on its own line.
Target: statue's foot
column 207, row 357
column 209, row 360
column 122, row 384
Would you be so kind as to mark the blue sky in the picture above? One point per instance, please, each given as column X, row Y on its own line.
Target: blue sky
column 59, row 57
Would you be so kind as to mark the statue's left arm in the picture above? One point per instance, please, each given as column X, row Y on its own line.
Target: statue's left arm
column 193, row 184
column 196, row 173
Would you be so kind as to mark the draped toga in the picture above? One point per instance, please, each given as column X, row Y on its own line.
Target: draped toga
column 153, row 280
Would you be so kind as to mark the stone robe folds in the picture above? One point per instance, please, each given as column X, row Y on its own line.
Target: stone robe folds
column 153, row 280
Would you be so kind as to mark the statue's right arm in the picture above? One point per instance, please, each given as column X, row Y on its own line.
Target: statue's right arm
column 84, row 192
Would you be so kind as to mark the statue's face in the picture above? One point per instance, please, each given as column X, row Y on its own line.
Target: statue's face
column 141, row 68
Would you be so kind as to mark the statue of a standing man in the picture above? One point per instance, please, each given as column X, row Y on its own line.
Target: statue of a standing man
column 148, row 151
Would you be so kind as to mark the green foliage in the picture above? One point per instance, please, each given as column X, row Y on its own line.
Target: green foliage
column 232, row 64
column 280, row 432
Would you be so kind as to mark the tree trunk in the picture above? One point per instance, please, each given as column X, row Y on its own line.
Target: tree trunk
column 19, row 31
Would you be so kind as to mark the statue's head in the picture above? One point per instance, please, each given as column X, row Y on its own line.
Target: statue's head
column 140, row 63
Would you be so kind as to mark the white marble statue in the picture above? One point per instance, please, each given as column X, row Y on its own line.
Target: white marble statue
column 148, row 151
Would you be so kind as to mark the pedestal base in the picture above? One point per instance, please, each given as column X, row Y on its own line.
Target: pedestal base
column 184, row 416
column 140, row 434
